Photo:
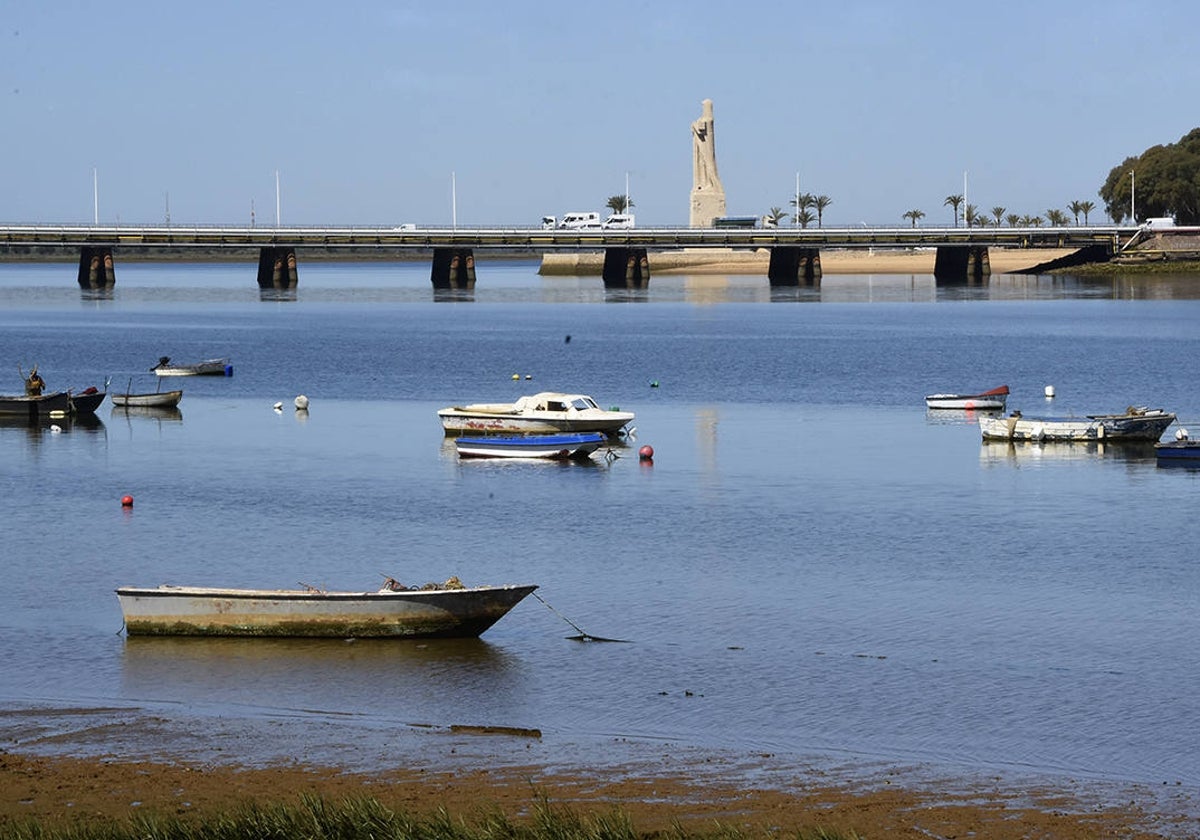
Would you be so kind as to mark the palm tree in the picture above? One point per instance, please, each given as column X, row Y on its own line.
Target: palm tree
column 970, row 215
column 805, row 217
column 917, row 215
column 1086, row 207
column 954, row 201
column 618, row 203
column 1075, row 207
column 801, row 202
column 775, row 215
column 999, row 212
column 1013, row 219
column 1056, row 217
column 821, row 202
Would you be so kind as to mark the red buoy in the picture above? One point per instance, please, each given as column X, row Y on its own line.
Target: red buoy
column 646, row 453
column 127, row 501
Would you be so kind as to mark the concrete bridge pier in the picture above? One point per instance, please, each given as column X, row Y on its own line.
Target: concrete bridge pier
column 626, row 268
column 277, row 268
column 96, row 270
column 794, row 266
column 453, row 268
column 962, row 263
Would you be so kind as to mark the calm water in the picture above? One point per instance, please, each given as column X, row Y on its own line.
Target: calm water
column 812, row 566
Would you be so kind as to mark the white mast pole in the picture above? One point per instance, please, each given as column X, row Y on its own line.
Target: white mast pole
column 796, row 217
column 1132, row 193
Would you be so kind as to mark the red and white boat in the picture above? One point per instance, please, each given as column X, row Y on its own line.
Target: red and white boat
column 993, row 400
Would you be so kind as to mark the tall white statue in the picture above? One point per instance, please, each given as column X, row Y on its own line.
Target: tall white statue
column 708, row 196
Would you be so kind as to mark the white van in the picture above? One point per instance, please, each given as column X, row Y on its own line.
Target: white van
column 618, row 221
column 580, row 221
column 1156, row 222
column 549, row 222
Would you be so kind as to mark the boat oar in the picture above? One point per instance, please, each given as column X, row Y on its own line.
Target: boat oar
column 582, row 637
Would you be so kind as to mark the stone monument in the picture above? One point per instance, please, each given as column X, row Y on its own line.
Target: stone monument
column 708, row 196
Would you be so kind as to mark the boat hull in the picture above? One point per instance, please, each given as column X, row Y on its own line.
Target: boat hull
column 57, row 404
column 418, row 613
column 86, row 403
column 209, row 367
column 1148, row 425
column 993, row 400
column 554, row 447
column 1178, row 453
column 159, row 399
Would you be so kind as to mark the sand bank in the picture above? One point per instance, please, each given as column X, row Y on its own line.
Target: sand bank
column 713, row 261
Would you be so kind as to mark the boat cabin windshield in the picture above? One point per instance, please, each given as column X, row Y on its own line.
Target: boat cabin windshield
column 583, row 403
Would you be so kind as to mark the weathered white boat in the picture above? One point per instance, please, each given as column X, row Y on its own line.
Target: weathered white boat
column 576, row 446
column 208, row 367
column 993, row 400
column 1135, row 424
column 544, row 413
column 445, row 611
column 159, row 399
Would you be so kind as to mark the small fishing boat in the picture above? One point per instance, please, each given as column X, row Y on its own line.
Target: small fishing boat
column 1137, row 423
column 158, row 399
column 575, row 447
column 546, row 413
column 993, row 400
column 57, row 404
column 86, row 401
column 448, row 610
column 1181, row 452
column 208, row 367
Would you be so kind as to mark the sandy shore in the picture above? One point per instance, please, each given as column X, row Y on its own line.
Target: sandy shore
column 670, row 792
column 707, row 261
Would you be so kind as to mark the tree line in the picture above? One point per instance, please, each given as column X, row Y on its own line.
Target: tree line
column 1161, row 181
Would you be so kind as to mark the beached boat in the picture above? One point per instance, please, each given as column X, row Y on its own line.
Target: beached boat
column 993, row 400
column 208, row 367
column 86, row 401
column 447, row 610
column 57, row 404
column 1135, row 424
column 577, row 447
column 159, row 399
column 545, row 413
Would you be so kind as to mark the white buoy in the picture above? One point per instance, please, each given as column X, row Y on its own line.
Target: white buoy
column 1049, row 392
column 55, row 428
column 1181, row 434
column 301, row 403
column 278, row 406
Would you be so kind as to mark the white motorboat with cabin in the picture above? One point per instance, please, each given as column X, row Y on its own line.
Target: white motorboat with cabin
column 548, row 412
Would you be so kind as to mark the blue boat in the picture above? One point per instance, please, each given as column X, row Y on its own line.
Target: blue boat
column 577, row 447
column 1181, row 452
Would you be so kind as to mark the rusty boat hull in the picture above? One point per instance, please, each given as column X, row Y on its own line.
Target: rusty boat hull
column 407, row 613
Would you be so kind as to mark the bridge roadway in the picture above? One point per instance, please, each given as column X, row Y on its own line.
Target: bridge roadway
column 795, row 252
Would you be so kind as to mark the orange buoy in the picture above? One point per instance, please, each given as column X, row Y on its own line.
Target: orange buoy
column 646, row 453
column 127, row 501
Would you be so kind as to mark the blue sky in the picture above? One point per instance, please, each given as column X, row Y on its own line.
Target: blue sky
column 366, row 109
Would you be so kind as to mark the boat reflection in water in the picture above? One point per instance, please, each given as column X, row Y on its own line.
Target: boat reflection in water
column 148, row 412
column 315, row 673
column 1024, row 453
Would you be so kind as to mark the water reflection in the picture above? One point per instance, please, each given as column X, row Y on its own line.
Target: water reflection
column 277, row 295
column 39, row 427
column 1019, row 453
column 149, row 412
column 348, row 675
column 958, row 417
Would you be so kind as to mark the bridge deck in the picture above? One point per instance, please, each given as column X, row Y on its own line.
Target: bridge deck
column 367, row 238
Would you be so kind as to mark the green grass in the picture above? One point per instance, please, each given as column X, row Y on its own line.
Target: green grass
column 315, row 818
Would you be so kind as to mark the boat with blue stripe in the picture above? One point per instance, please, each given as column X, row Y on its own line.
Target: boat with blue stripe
column 576, row 446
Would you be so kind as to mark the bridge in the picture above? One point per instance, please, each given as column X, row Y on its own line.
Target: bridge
column 962, row 253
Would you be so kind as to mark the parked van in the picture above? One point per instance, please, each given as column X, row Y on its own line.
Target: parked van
column 618, row 221
column 1159, row 222
column 580, row 221
column 549, row 222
